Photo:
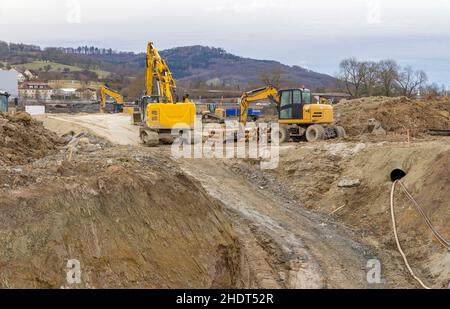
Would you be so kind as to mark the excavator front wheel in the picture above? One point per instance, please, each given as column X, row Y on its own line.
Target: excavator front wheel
column 284, row 135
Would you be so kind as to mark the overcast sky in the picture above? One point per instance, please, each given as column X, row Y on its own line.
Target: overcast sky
column 316, row 34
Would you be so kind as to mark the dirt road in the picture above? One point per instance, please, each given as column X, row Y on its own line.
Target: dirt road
column 116, row 128
column 285, row 245
column 302, row 249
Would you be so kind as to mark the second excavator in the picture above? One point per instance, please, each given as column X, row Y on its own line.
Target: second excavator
column 298, row 117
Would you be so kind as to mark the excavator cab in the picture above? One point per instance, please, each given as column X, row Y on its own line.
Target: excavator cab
column 146, row 100
column 296, row 107
column 292, row 102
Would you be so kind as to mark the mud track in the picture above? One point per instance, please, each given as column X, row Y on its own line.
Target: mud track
column 287, row 245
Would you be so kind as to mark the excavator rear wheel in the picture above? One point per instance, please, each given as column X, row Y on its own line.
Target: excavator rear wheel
column 315, row 133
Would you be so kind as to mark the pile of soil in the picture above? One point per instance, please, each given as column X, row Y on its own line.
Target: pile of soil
column 130, row 216
column 396, row 115
column 23, row 139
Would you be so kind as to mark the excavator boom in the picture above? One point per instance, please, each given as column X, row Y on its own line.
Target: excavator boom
column 159, row 80
column 269, row 92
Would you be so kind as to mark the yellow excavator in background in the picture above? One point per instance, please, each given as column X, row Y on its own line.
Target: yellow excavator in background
column 160, row 113
column 105, row 92
column 297, row 116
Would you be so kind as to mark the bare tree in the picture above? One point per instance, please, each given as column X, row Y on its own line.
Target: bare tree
column 370, row 77
column 273, row 77
column 410, row 81
column 444, row 91
column 431, row 90
column 352, row 76
column 388, row 75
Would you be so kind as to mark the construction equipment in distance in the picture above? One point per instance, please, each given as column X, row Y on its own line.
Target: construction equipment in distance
column 298, row 117
column 4, row 102
column 159, row 109
column 118, row 98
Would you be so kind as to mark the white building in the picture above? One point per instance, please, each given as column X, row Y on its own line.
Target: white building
column 35, row 91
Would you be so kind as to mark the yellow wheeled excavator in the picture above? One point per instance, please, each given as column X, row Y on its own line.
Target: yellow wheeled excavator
column 161, row 114
column 105, row 93
column 298, row 117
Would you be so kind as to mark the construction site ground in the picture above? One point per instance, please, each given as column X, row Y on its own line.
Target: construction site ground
column 136, row 217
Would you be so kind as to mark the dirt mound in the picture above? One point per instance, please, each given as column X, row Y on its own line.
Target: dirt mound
column 396, row 115
column 130, row 217
column 23, row 139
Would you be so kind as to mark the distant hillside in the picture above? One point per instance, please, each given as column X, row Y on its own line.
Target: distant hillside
column 216, row 66
column 190, row 65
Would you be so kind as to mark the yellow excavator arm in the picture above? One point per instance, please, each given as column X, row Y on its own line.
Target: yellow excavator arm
column 158, row 76
column 269, row 92
column 105, row 92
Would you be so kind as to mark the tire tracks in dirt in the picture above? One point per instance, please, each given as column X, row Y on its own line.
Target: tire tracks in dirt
column 300, row 249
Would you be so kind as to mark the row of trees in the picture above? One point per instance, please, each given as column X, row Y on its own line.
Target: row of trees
column 91, row 50
column 386, row 77
column 6, row 48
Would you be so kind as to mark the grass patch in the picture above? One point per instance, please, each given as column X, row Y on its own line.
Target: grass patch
column 58, row 67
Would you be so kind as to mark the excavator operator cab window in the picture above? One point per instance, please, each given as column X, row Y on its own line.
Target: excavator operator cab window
column 306, row 97
column 286, row 105
column 297, row 98
column 146, row 101
column 291, row 103
column 151, row 99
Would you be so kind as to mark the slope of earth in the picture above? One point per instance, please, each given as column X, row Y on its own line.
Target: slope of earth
column 130, row 216
column 23, row 139
column 313, row 173
column 396, row 115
